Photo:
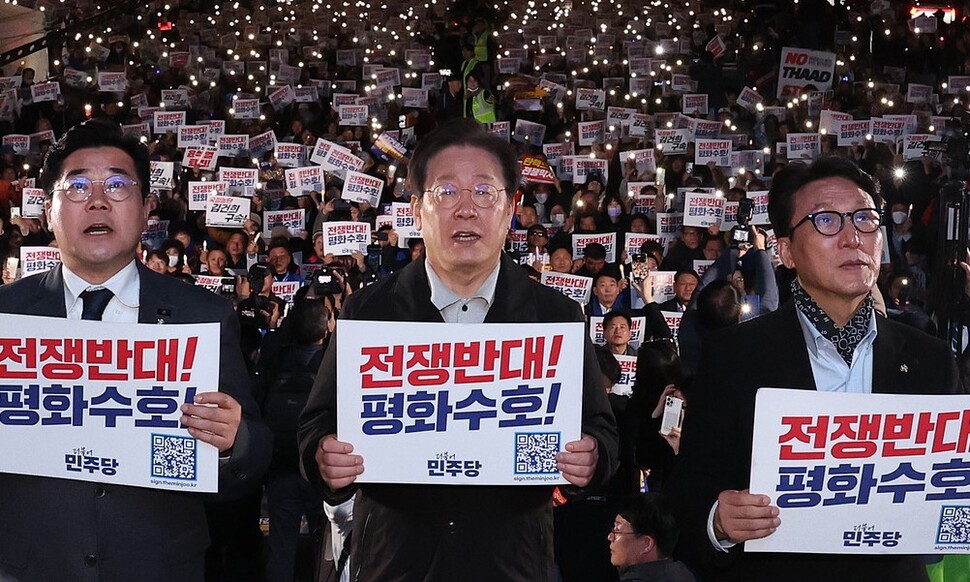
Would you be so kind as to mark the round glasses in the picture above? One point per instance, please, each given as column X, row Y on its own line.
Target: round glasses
column 831, row 222
column 80, row 188
column 449, row 195
column 617, row 533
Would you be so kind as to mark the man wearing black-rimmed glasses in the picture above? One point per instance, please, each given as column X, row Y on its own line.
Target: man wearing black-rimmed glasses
column 467, row 179
column 828, row 338
column 58, row 529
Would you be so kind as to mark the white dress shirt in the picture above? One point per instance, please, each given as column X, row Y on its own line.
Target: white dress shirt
column 123, row 307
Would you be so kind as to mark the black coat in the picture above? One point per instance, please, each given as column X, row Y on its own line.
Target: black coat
column 715, row 453
column 49, row 526
column 440, row 532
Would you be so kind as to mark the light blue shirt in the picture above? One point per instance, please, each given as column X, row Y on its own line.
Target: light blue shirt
column 457, row 309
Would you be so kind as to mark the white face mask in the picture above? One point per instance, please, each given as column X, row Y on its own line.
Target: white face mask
column 558, row 218
column 900, row 217
column 173, row 260
column 541, row 197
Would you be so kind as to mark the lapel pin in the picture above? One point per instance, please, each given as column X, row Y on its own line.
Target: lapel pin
column 903, row 368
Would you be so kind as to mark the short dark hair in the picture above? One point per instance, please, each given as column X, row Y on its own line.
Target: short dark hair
column 690, row 272
column 96, row 133
column 458, row 133
column 781, row 197
column 611, row 273
column 648, row 515
column 595, row 251
column 617, row 313
column 718, row 305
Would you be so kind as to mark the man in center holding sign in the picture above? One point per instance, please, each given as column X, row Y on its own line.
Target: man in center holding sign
column 829, row 339
column 418, row 529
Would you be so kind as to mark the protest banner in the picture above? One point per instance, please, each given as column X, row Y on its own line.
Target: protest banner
column 335, row 159
column 483, row 404
column 414, row 97
column 303, row 181
column 112, row 82
column 694, row 103
column 19, row 142
column 673, row 319
column 804, row 146
column 201, row 158
column 344, row 238
column 853, row 133
column 227, row 211
column 42, row 92
column 591, row 132
column 800, row 67
column 750, row 99
column 713, row 150
column 34, row 260
column 703, row 210
column 635, row 240
column 32, row 202
column 353, row 115
column 288, row 155
column 286, row 290
column 637, row 330
column 404, row 222
column 216, row 284
column 362, row 188
column 232, row 145
column 863, row 473
column 167, row 121
column 245, row 109
column 281, row 97
column 535, row 169
column 669, row 223
column 628, row 375
column 199, row 193
column 161, row 175
column 217, row 128
column 190, row 135
column 913, row 145
column 262, row 144
column 241, row 181
column 608, row 240
column 644, row 161
column 672, row 141
column 102, row 401
column 583, row 166
column 528, row 132
column 155, row 233
column 916, row 93
column 499, row 128
column 576, row 287
column 293, row 220
column 587, row 99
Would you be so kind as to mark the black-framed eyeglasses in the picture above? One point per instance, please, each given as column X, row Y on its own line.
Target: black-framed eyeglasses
column 617, row 533
column 80, row 188
column 831, row 222
column 449, row 195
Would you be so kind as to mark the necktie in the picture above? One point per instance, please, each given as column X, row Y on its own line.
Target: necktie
column 95, row 300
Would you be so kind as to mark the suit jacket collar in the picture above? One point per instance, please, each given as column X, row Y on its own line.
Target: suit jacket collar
column 155, row 302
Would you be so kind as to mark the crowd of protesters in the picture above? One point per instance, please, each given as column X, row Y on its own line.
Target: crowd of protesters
column 655, row 303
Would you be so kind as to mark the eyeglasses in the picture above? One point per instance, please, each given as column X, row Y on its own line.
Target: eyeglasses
column 617, row 533
column 80, row 188
column 831, row 222
column 449, row 195
column 539, row 234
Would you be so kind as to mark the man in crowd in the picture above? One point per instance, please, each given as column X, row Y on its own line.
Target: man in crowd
column 58, row 529
column 684, row 284
column 827, row 338
column 616, row 332
column 463, row 180
column 607, row 293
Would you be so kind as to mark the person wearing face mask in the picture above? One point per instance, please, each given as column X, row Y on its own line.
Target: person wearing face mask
column 900, row 231
column 540, row 200
column 617, row 218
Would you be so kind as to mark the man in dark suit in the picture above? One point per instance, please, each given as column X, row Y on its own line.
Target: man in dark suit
column 827, row 338
column 58, row 529
column 464, row 179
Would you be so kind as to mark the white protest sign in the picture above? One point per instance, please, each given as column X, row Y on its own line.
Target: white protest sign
column 302, row 181
column 854, row 133
column 804, row 146
column 232, row 145
column 759, row 213
column 887, row 131
column 673, row 319
column 713, row 150
column 335, row 158
column 282, row 97
column 42, row 92
column 913, row 145
column 504, row 397
column 199, row 193
column 583, row 166
column 668, row 224
column 354, row 115
column 19, row 142
column 750, row 99
column 293, row 220
column 288, row 155
column 576, row 287
column 703, row 210
column 694, row 103
column 112, row 82
column 628, row 375
column 190, row 135
column 262, row 144
column 404, row 224
column 635, row 240
column 32, row 202
column 414, row 97
column 245, row 109
column 162, row 175
column 241, row 181
column 829, row 120
column 672, row 141
column 862, row 473
column 343, row 238
column 155, row 233
column 590, row 99
column 227, row 211
column 591, row 132
column 608, row 240
column 916, row 93
column 801, row 67
column 34, row 260
column 113, row 415
column 362, row 188
column 167, row 121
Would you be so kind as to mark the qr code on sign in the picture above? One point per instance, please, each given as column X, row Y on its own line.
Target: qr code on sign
column 535, row 453
column 954, row 525
column 173, row 457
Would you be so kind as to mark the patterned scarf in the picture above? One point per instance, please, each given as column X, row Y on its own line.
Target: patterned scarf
column 845, row 339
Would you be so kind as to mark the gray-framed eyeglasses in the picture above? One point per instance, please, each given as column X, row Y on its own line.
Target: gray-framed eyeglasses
column 831, row 222
column 80, row 188
column 448, row 195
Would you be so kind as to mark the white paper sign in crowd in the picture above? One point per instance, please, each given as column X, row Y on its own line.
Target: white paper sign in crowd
column 35, row 260
column 344, row 238
column 576, row 287
column 485, row 404
column 111, row 414
column 863, row 473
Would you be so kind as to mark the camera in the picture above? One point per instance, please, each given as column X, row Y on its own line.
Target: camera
column 741, row 234
column 327, row 281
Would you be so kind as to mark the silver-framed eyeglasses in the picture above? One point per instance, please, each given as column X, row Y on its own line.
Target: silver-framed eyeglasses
column 449, row 195
column 80, row 188
column 831, row 222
